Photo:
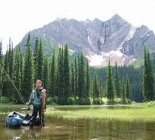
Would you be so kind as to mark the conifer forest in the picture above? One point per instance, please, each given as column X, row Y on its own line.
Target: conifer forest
column 70, row 80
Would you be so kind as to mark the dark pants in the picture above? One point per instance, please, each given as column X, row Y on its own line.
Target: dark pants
column 37, row 109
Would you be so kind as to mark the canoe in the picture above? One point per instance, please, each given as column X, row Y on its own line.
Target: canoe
column 16, row 119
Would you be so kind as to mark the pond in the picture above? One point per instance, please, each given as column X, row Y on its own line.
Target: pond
column 81, row 129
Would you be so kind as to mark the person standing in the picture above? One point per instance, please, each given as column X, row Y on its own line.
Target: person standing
column 37, row 99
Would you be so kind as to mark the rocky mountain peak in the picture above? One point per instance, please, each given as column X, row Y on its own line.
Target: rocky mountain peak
column 115, row 38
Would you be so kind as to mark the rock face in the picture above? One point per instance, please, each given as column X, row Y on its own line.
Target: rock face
column 115, row 39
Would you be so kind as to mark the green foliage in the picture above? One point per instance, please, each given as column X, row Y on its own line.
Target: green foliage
column 28, row 79
column 1, row 69
column 53, row 77
column 117, row 82
column 98, row 101
column 46, row 74
column 52, row 100
column 84, row 101
column 127, row 88
column 123, row 100
column 18, row 69
column 71, row 80
column 148, row 77
column 109, row 85
column 4, row 99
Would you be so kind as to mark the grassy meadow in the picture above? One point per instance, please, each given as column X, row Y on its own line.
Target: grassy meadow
column 135, row 112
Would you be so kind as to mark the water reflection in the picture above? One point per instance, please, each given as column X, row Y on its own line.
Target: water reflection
column 82, row 129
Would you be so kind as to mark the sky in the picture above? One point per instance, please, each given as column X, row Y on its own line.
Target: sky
column 18, row 17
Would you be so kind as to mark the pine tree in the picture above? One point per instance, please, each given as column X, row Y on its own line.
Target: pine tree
column 148, row 78
column 60, row 76
column 72, row 80
column 87, row 80
column 28, row 79
column 53, row 76
column 67, row 75
column 46, row 75
column 76, row 80
column 117, row 82
column 10, row 87
column 81, row 79
column 109, row 84
column 1, row 70
column 40, row 62
column 127, row 88
column 150, row 81
column 18, row 73
column 35, row 58
column 5, row 77
column 123, row 93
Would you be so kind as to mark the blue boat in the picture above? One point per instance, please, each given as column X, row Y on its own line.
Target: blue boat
column 16, row 119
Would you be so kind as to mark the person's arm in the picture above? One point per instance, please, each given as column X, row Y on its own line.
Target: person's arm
column 30, row 100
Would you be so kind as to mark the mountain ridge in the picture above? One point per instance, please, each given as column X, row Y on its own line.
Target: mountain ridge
column 114, row 38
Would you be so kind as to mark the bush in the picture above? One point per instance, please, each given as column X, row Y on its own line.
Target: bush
column 98, row 101
column 51, row 100
column 84, row 101
column 5, row 99
column 70, row 101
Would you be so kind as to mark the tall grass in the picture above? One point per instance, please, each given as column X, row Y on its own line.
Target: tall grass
column 138, row 112
column 144, row 112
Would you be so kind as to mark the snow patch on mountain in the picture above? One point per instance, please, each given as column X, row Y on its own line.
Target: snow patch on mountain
column 98, row 60
column 89, row 40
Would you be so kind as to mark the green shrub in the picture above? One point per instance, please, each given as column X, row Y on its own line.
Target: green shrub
column 98, row 101
column 84, row 101
column 51, row 100
column 5, row 99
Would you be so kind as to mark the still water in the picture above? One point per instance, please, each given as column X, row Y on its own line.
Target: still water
column 83, row 129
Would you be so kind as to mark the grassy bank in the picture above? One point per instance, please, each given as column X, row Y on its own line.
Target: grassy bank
column 137, row 112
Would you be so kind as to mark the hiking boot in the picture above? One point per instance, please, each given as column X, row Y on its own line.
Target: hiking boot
column 31, row 125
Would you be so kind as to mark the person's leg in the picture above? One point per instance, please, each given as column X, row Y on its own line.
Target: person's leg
column 42, row 117
column 34, row 115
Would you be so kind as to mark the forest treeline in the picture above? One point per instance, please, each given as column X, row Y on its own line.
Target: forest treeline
column 71, row 81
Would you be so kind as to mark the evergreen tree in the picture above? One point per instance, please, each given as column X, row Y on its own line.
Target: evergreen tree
column 87, row 80
column 53, row 77
column 117, row 82
column 81, row 79
column 123, row 93
column 18, row 73
column 46, row 75
column 72, row 80
column 1, row 70
column 5, row 78
column 110, row 88
column 148, row 78
column 28, row 79
column 35, row 58
column 96, row 93
column 127, row 88
column 67, row 76
column 76, row 79
column 9, row 75
column 96, row 90
column 40, row 62
column 60, row 76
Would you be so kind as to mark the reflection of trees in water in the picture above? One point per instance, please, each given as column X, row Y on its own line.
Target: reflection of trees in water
column 149, row 131
column 86, row 129
column 24, row 133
